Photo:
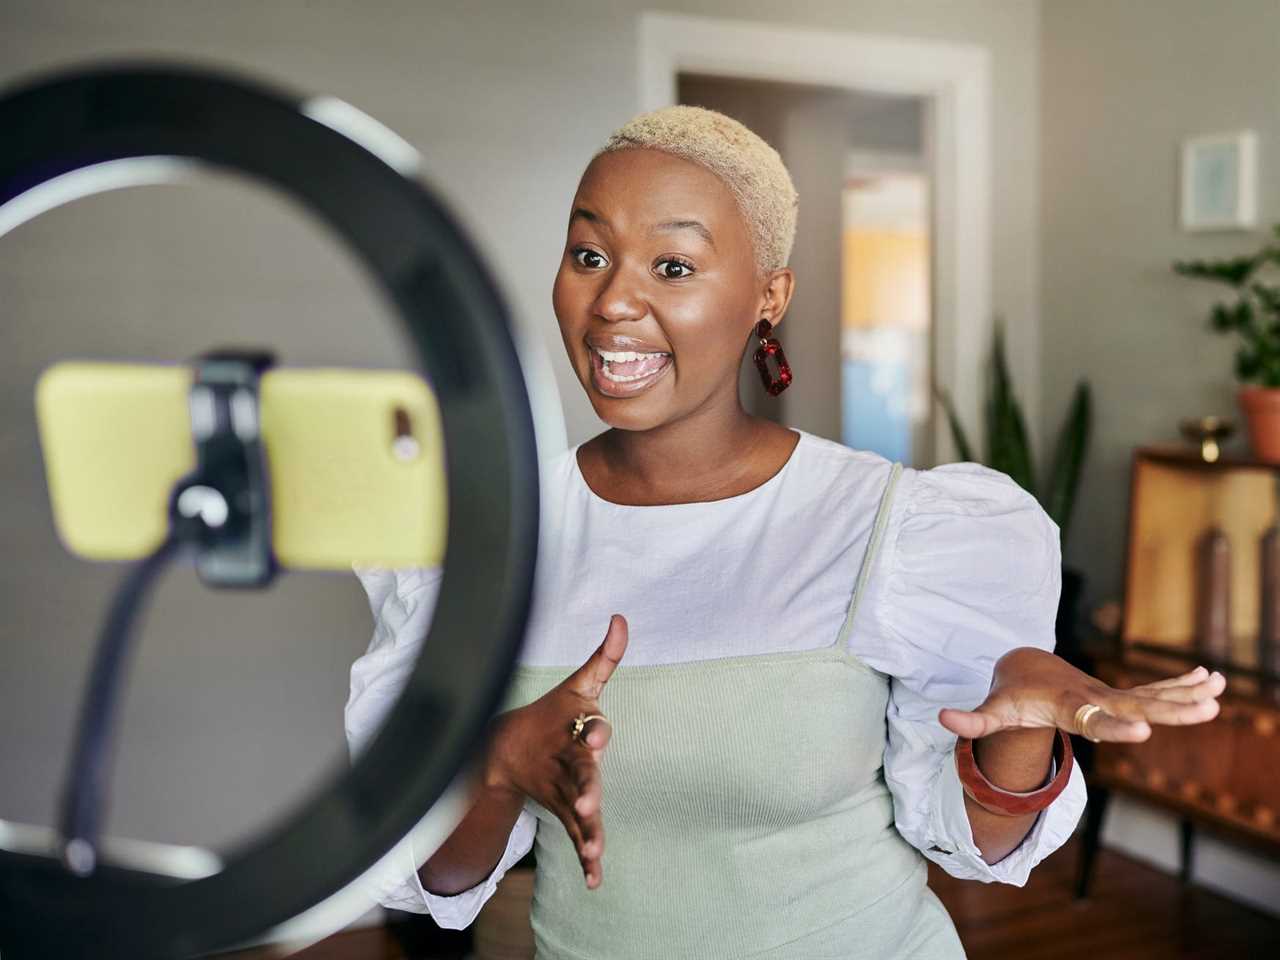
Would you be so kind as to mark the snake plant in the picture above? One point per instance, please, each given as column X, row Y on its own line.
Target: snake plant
column 1008, row 448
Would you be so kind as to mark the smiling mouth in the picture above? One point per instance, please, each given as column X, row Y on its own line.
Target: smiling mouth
column 623, row 373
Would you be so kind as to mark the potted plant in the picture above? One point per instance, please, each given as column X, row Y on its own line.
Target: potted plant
column 1009, row 451
column 1253, row 314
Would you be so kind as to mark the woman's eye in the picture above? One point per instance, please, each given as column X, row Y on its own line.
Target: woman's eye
column 588, row 258
column 674, row 269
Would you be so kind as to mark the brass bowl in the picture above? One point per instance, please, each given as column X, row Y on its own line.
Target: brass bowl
column 1208, row 432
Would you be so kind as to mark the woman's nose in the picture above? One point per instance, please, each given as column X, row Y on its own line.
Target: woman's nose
column 619, row 298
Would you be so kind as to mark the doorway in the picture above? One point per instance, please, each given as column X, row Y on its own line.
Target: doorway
column 858, row 330
column 952, row 84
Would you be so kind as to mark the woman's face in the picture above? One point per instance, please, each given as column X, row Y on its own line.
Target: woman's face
column 658, row 273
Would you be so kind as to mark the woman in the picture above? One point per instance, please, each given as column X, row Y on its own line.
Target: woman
column 766, row 738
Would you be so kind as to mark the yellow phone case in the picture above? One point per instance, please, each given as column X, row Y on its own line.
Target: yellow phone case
column 355, row 458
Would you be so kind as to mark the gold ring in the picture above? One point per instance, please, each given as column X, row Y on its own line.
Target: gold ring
column 1083, row 716
column 580, row 721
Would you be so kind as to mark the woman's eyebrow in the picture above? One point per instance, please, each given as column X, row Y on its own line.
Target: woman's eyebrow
column 695, row 225
column 582, row 213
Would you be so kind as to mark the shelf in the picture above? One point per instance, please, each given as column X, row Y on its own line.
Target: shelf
column 1188, row 456
column 1253, row 827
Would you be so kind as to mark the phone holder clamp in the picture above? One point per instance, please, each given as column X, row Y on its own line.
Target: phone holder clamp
column 224, row 505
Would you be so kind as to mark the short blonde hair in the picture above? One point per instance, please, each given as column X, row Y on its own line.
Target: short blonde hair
column 752, row 170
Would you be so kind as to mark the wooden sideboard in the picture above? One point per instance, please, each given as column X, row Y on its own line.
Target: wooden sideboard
column 1223, row 775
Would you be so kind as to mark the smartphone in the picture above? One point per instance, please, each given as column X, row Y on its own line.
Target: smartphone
column 355, row 459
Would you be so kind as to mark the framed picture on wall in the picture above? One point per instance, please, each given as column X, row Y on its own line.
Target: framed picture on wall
column 1219, row 181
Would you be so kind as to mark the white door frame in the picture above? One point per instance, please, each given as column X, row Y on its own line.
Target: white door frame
column 954, row 78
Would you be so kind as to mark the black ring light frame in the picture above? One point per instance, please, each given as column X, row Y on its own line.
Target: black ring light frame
column 440, row 290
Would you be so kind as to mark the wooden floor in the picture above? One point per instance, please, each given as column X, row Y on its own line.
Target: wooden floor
column 1133, row 913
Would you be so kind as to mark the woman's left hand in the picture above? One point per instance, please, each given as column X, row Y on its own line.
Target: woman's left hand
column 1033, row 688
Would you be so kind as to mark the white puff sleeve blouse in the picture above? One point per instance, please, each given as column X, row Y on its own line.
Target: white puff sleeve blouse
column 968, row 569
column 974, row 571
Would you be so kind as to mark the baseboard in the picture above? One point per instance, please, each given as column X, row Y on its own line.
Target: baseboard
column 1152, row 836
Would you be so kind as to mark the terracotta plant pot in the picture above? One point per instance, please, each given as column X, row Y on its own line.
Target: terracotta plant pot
column 1261, row 406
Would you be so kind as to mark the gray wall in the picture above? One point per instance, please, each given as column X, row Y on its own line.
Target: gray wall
column 234, row 709
column 1123, row 84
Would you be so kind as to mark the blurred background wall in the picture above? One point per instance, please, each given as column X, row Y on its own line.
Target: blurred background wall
column 1122, row 84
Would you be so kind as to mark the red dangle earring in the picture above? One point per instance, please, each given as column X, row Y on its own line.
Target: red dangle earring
column 770, row 347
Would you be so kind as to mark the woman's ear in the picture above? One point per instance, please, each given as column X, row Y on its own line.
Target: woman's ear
column 778, row 287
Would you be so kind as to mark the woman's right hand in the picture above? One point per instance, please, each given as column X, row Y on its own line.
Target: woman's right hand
column 532, row 751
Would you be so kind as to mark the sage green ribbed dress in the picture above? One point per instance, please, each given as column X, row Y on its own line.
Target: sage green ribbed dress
column 746, row 815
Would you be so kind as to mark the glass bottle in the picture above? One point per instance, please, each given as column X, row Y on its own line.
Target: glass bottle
column 1269, row 595
column 1213, row 595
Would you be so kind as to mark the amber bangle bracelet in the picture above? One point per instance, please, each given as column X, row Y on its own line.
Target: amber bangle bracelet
column 1006, row 803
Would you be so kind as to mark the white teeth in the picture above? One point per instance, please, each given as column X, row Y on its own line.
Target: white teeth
column 611, row 356
column 624, row 356
column 617, row 379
